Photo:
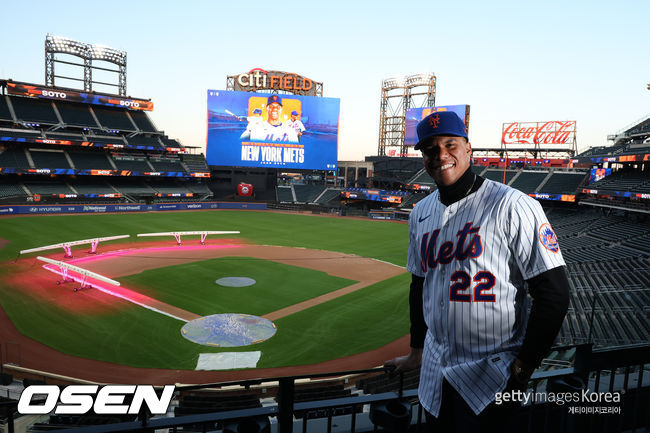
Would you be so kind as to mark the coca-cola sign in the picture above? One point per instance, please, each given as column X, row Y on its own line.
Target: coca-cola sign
column 542, row 133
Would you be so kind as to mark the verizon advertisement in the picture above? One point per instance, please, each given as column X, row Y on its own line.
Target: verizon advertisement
column 561, row 134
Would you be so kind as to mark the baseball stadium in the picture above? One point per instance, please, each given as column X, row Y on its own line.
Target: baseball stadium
column 267, row 281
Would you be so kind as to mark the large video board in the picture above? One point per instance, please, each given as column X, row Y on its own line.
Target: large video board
column 248, row 129
column 414, row 115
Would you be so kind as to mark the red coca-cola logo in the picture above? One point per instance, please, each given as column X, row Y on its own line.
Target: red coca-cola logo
column 554, row 132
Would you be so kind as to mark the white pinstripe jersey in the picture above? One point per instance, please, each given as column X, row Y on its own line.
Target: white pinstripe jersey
column 475, row 256
column 297, row 125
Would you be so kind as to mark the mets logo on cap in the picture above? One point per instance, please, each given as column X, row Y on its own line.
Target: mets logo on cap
column 548, row 238
column 434, row 121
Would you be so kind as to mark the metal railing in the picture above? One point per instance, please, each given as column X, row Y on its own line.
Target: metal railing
column 625, row 370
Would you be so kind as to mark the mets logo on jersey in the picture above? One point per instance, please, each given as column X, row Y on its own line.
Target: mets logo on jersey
column 548, row 238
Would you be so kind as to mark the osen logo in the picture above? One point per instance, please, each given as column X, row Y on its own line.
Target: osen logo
column 80, row 399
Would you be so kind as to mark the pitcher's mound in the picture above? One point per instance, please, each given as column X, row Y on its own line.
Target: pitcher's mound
column 235, row 281
column 228, row 330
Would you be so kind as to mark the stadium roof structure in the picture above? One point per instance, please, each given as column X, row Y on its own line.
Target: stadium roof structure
column 87, row 52
column 637, row 131
column 630, row 144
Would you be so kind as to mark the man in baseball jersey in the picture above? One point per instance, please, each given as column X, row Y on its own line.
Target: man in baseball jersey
column 476, row 249
column 255, row 118
column 296, row 124
column 273, row 130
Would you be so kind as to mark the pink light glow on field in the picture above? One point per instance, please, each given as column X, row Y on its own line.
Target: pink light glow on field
column 121, row 291
column 117, row 291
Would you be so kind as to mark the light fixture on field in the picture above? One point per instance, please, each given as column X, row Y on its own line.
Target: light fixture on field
column 177, row 235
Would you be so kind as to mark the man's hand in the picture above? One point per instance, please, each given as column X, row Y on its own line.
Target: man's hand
column 520, row 374
column 406, row 362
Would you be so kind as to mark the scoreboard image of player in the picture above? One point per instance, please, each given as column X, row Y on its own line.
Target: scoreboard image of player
column 250, row 129
column 414, row 115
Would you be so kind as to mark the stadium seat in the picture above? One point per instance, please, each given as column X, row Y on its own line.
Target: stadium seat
column 142, row 121
column 497, row 175
column 90, row 160
column 307, row 193
column 528, row 181
column 75, row 114
column 563, row 183
column 44, row 158
column 30, row 110
column 114, row 118
column 284, row 194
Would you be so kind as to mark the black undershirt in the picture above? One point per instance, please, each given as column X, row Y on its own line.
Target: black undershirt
column 549, row 290
column 467, row 184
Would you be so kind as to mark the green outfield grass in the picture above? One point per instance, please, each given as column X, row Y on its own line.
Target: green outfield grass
column 383, row 240
column 192, row 286
column 128, row 334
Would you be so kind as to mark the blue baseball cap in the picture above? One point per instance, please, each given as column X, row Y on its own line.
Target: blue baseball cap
column 294, row 113
column 257, row 111
column 274, row 98
column 440, row 123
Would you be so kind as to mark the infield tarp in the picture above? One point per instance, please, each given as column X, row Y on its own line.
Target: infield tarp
column 228, row 360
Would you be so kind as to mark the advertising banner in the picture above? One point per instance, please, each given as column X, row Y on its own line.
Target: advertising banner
column 373, row 195
column 121, row 145
column 597, row 174
column 611, row 193
column 642, row 157
column 33, row 91
column 414, row 115
column 555, row 197
column 554, row 133
column 247, row 129
column 91, row 172
column 103, row 208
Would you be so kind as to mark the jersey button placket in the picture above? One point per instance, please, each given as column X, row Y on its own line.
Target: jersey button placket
column 441, row 302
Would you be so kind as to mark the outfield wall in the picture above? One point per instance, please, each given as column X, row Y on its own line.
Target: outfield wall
column 104, row 208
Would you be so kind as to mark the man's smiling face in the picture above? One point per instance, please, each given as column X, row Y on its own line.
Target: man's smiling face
column 446, row 158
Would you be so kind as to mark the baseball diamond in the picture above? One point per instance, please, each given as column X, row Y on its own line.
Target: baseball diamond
column 309, row 294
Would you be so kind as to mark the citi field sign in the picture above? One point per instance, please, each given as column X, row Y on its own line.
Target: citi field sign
column 533, row 133
column 258, row 78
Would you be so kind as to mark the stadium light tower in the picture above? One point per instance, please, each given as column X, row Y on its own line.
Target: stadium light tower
column 398, row 95
column 87, row 52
